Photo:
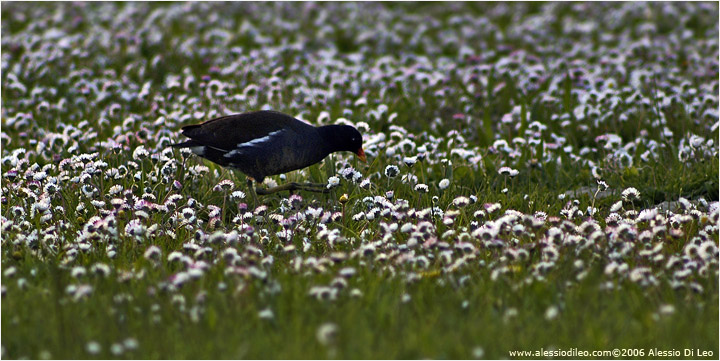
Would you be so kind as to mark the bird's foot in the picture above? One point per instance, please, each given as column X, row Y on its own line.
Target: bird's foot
column 308, row 187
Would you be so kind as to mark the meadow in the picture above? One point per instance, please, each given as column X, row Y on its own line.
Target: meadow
column 539, row 176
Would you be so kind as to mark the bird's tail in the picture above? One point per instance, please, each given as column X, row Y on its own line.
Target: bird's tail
column 185, row 144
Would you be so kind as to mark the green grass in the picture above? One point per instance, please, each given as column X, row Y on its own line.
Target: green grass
column 392, row 307
column 432, row 324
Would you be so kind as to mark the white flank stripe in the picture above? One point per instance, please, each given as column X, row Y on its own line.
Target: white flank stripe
column 252, row 143
column 232, row 153
column 257, row 141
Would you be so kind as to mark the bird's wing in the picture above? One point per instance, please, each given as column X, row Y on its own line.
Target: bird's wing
column 241, row 130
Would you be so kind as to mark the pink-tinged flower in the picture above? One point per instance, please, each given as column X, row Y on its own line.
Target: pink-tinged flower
column 351, row 174
column 225, row 185
column 365, row 184
column 491, row 208
column 152, row 253
column 140, row 153
column 260, row 210
column 461, row 201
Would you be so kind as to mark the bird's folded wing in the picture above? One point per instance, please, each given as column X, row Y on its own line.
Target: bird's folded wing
column 241, row 130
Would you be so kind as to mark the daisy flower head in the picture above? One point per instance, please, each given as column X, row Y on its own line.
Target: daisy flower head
column 365, row 184
column 410, row 161
column 444, row 183
column 333, row 182
column 224, row 186
column 508, row 171
column 237, row 195
column 422, row 188
column 602, row 186
column 152, row 253
column 461, row 201
column 392, row 171
column 351, row 174
column 140, row 153
column 630, row 194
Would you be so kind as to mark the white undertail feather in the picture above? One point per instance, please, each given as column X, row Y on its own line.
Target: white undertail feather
column 199, row 150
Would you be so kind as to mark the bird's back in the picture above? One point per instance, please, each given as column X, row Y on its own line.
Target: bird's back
column 229, row 131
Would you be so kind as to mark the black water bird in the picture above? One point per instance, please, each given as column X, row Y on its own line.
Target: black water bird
column 265, row 143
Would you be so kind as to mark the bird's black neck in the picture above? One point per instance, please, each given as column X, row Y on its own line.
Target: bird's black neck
column 331, row 142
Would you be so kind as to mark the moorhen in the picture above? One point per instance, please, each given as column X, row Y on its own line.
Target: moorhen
column 264, row 143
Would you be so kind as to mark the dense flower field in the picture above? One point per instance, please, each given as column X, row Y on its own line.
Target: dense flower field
column 539, row 175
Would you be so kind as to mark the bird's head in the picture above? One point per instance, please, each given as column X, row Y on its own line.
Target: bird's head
column 345, row 138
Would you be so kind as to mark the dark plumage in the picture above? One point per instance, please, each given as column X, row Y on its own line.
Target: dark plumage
column 266, row 143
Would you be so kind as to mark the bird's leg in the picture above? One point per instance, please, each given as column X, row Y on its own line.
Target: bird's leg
column 252, row 190
column 309, row 187
column 316, row 185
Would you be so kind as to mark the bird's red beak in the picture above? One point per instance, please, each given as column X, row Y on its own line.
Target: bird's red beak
column 361, row 155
